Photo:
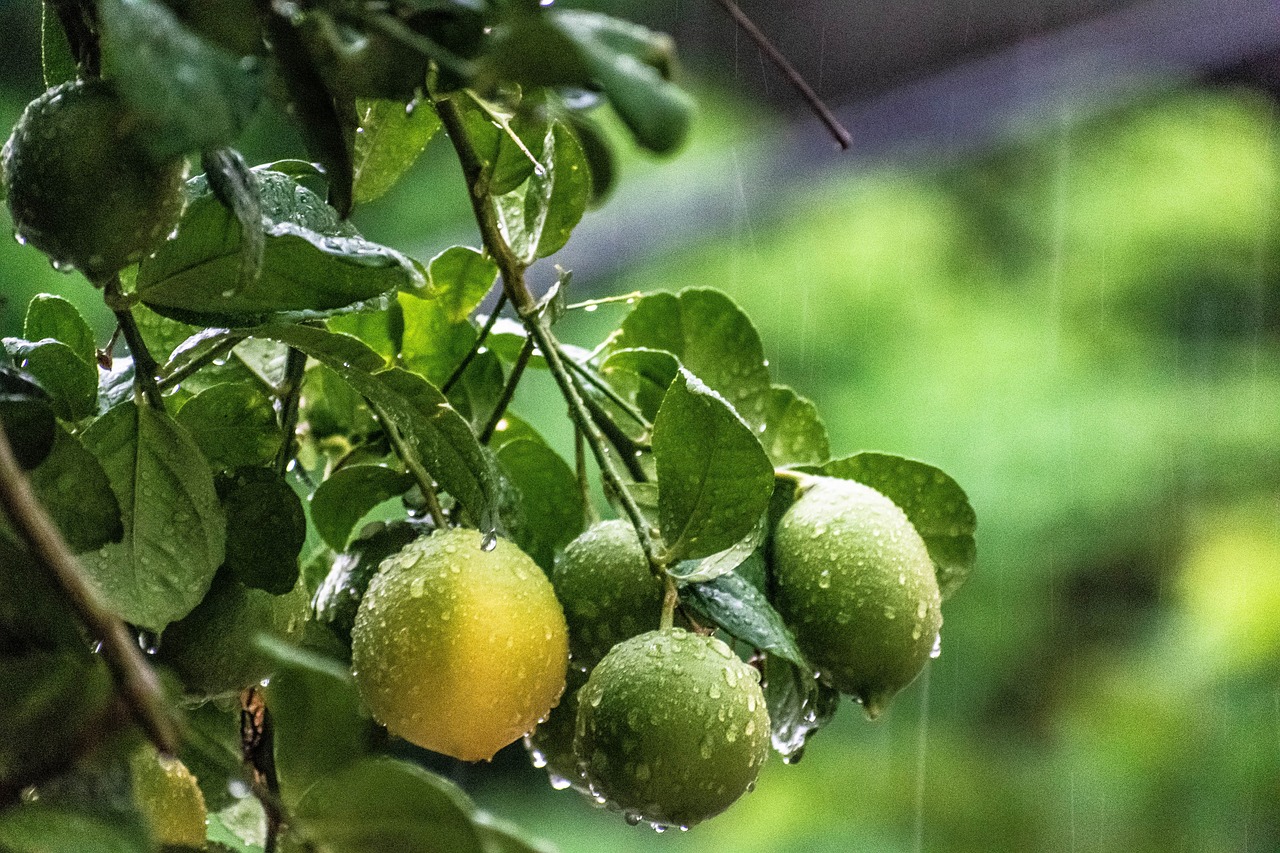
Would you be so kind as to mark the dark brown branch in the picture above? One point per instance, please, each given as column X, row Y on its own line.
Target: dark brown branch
column 135, row 680
column 789, row 71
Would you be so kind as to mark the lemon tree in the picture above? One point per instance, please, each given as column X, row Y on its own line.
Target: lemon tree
column 287, row 520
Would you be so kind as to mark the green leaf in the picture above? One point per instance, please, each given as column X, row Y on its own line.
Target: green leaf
column 711, row 336
column 641, row 375
column 380, row 804
column 736, row 605
column 550, row 499
column 319, row 729
column 55, row 51
column 332, row 407
column 537, row 217
column 507, row 143
column 314, row 263
column 338, row 596
column 72, row 382
column 433, row 343
column 27, row 417
column 934, row 503
column 51, row 316
column 714, row 480
column 500, row 836
column 723, row 562
column 235, row 185
column 460, row 278
column 389, row 140
column 266, row 528
column 174, row 529
column 479, row 389
column 794, row 433
column 73, row 488
column 39, row 828
column 799, row 704
column 347, row 496
column 52, row 701
column 381, row 329
column 233, row 425
column 433, row 434
column 188, row 94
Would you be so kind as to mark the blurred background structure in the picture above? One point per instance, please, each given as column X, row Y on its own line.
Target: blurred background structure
column 1051, row 266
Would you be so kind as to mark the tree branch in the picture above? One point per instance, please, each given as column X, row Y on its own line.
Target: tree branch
column 134, row 678
column 144, row 364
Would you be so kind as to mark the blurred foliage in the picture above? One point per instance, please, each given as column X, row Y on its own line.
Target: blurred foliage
column 1084, row 328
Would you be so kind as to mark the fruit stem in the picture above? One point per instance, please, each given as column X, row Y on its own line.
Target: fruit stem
column 802, row 480
column 136, row 680
column 144, row 364
column 670, row 598
column 535, row 321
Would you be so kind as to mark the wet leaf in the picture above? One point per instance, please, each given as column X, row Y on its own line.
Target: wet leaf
column 174, row 528
column 550, row 499
column 460, row 278
column 50, row 316
column 70, row 381
column 388, row 142
column 266, row 527
column 799, row 705
column 736, row 605
column 233, row 424
column 73, row 488
column 714, row 480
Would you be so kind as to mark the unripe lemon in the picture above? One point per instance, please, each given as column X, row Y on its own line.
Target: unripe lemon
column 459, row 649
column 854, row 581
column 81, row 186
column 212, row 648
column 672, row 727
column 609, row 594
column 169, row 798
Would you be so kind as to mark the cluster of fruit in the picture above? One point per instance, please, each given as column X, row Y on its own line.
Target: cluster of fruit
column 462, row 649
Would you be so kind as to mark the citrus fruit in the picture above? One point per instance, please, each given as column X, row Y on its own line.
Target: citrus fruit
column 169, row 798
column 609, row 594
column 81, row 187
column 854, row 581
column 459, row 649
column 212, row 648
column 672, row 727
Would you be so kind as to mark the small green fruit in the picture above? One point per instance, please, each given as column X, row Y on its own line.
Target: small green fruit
column 459, row 649
column 854, row 581
column 609, row 594
column 672, row 728
column 81, row 186
column 169, row 798
column 212, row 648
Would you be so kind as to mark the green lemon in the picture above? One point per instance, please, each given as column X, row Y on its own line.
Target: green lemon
column 169, row 798
column 212, row 648
column 459, row 649
column 609, row 594
column 81, row 187
column 853, row 580
column 672, row 728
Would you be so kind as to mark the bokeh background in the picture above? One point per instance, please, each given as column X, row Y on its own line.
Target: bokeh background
column 1051, row 266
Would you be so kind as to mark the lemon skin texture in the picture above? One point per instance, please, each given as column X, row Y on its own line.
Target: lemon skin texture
column 854, row 581
column 81, row 187
column 169, row 798
column 672, row 728
column 457, row 649
column 608, row 591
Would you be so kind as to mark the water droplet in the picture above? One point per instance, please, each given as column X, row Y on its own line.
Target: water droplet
column 937, row 647
column 490, row 541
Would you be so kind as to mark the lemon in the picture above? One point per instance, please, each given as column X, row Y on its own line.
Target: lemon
column 212, row 648
column 81, row 187
column 169, row 798
column 459, row 649
column 854, row 581
column 609, row 594
column 672, row 728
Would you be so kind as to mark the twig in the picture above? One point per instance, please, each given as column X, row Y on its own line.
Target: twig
column 144, row 364
column 475, row 347
column 789, row 71
column 136, row 680
column 257, row 746
column 508, row 391
column 420, row 476
column 290, row 398
column 537, row 325
column 604, row 388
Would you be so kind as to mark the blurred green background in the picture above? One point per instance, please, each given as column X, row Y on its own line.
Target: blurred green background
column 1083, row 327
